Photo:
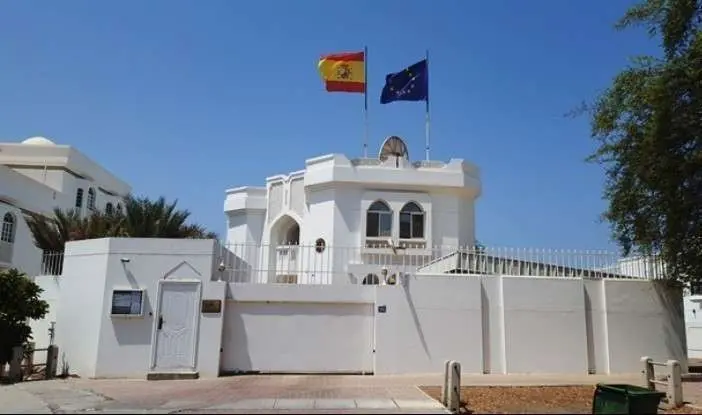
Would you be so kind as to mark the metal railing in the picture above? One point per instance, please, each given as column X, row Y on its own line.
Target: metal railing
column 51, row 263
column 383, row 262
column 315, row 264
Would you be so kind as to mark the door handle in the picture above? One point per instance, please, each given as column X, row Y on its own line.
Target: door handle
column 160, row 322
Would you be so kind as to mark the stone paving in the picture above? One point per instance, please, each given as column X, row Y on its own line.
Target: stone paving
column 242, row 394
column 264, row 394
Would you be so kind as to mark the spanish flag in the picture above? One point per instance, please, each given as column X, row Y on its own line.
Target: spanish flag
column 344, row 72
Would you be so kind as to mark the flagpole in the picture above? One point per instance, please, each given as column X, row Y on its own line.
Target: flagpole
column 365, row 102
column 426, row 126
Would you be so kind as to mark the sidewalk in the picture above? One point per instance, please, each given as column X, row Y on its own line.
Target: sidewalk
column 15, row 400
column 263, row 394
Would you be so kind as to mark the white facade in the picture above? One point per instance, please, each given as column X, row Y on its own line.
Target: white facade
column 338, row 203
column 490, row 323
column 140, row 307
column 37, row 175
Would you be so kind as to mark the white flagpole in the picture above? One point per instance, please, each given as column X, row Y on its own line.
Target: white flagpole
column 426, row 148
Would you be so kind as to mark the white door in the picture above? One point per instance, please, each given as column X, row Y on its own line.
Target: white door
column 176, row 326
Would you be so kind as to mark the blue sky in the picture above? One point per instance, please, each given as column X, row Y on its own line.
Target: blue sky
column 188, row 98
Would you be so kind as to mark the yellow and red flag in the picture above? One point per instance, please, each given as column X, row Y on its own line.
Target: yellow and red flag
column 344, row 72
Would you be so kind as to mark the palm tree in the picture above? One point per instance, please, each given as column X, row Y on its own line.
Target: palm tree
column 142, row 218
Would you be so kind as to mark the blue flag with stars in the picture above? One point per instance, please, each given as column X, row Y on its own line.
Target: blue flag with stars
column 410, row 84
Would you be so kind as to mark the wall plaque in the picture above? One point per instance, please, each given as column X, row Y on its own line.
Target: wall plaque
column 211, row 306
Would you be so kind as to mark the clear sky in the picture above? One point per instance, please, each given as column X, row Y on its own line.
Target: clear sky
column 188, row 98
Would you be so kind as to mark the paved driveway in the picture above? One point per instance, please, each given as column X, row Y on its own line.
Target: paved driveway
column 240, row 394
column 261, row 394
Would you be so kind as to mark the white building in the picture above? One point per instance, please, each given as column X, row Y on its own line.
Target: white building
column 338, row 212
column 38, row 175
column 306, row 285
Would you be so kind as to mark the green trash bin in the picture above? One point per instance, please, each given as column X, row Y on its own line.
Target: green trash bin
column 625, row 399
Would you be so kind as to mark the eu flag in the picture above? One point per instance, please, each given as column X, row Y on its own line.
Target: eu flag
column 410, row 84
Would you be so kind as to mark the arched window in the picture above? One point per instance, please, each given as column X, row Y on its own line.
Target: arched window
column 378, row 220
column 91, row 198
column 109, row 209
column 7, row 234
column 119, row 209
column 79, row 198
column 411, row 221
column 371, row 279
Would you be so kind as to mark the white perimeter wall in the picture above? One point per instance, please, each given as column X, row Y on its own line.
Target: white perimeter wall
column 491, row 324
column 693, row 325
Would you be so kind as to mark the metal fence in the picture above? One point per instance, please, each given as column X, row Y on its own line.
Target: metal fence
column 51, row 263
column 327, row 264
column 320, row 264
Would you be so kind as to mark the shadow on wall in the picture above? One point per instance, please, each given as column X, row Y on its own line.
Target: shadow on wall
column 589, row 332
column 405, row 282
column 670, row 296
column 485, row 311
column 239, row 345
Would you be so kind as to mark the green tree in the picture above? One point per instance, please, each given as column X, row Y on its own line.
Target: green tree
column 141, row 218
column 19, row 302
column 648, row 125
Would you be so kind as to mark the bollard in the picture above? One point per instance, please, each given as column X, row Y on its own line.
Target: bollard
column 29, row 365
column 675, row 392
column 16, row 364
column 454, row 387
column 51, row 361
column 647, row 373
column 445, row 385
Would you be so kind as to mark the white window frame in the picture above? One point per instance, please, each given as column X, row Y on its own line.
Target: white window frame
column 412, row 214
column 8, row 230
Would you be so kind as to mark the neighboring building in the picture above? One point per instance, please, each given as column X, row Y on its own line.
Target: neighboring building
column 37, row 175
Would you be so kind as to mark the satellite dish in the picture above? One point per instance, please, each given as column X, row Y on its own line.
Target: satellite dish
column 393, row 146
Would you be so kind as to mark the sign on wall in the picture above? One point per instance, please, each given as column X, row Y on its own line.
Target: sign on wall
column 127, row 302
column 211, row 306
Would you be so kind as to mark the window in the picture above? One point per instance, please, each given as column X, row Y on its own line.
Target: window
column 378, row 220
column 411, row 221
column 371, row 279
column 91, row 199
column 319, row 245
column 79, row 198
column 8, row 228
column 108, row 208
column 119, row 208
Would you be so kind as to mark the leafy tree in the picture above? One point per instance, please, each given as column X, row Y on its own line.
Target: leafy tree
column 19, row 302
column 141, row 218
column 649, row 128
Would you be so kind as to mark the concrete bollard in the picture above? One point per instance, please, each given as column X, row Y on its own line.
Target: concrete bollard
column 675, row 391
column 51, row 361
column 445, row 385
column 647, row 373
column 454, row 387
column 16, row 364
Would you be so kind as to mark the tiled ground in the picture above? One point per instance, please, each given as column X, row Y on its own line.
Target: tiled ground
column 279, row 394
column 269, row 394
